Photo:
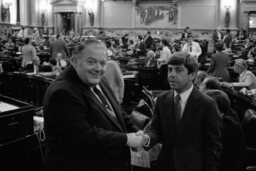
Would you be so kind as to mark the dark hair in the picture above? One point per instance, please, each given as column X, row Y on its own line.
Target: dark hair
column 165, row 42
column 57, row 36
column 219, row 45
column 211, row 83
column 140, row 37
column 221, row 99
column 26, row 41
column 53, row 61
column 183, row 58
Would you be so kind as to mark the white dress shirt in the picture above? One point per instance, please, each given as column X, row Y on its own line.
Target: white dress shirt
column 184, row 98
column 193, row 49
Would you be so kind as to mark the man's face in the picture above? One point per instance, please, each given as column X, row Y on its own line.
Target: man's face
column 190, row 40
column 90, row 66
column 178, row 78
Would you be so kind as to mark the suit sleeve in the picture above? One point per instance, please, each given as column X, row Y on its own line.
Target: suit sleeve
column 68, row 118
column 154, row 129
column 212, row 137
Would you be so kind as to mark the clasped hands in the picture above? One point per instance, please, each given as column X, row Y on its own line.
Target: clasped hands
column 137, row 140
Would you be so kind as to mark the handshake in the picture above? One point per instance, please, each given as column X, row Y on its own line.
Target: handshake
column 137, row 140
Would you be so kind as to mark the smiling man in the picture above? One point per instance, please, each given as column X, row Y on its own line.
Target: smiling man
column 85, row 126
column 186, row 122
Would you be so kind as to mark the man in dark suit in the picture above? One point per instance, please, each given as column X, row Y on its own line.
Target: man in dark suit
column 217, row 35
column 219, row 63
column 148, row 40
column 228, row 38
column 59, row 46
column 186, row 122
column 86, row 129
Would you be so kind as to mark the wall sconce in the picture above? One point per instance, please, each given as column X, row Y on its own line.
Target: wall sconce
column 227, row 15
column 91, row 16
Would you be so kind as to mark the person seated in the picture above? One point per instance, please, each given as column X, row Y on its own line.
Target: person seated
column 191, row 47
column 233, row 138
column 201, row 75
column 151, row 61
column 246, row 78
column 55, row 69
column 210, row 83
column 165, row 54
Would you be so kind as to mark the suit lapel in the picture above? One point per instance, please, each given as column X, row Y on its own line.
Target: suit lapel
column 94, row 99
column 189, row 110
column 115, row 105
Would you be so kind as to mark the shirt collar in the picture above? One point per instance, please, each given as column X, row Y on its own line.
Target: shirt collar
column 184, row 95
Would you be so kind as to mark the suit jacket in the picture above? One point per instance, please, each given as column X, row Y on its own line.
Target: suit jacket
column 215, row 36
column 227, row 39
column 28, row 54
column 234, row 146
column 59, row 46
column 148, row 42
column 219, row 66
column 80, row 133
column 193, row 145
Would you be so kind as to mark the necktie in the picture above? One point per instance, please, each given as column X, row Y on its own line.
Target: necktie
column 190, row 48
column 102, row 98
column 177, row 109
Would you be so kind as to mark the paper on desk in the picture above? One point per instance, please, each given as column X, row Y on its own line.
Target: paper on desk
column 7, row 107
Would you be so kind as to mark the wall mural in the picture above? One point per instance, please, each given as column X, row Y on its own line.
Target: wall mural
column 157, row 16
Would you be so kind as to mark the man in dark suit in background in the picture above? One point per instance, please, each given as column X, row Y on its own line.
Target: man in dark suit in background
column 86, row 128
column 228, row 38
column 59, row 46
column 186, row 122
column 148, row 40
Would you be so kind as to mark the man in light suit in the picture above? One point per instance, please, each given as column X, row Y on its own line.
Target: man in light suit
column 86, row 128
column 188, row 127
column 246, row 78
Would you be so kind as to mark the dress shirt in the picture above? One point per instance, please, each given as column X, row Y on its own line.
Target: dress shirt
column 165, row 55
column 195, row 51
column 97, row 86
column 184, row 98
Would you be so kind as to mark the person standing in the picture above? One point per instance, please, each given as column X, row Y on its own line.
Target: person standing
column 85, row 126
column 186, row 121
column 29, row 55
column 219, row 63
column 59, row 46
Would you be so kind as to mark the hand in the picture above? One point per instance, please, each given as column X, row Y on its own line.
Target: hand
column 134, row 141
column 146, row 138
column 225, row 84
